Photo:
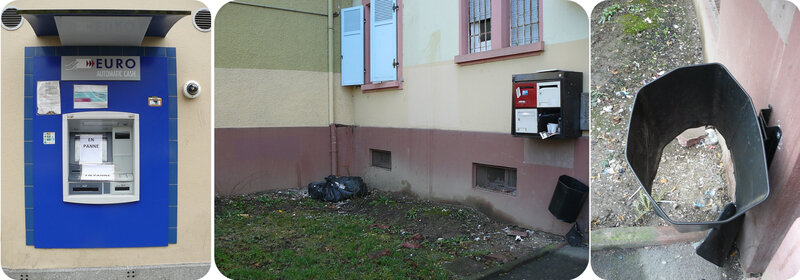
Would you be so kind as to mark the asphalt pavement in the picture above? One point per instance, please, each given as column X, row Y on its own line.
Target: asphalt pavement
column 675, row 261
column 565, row 263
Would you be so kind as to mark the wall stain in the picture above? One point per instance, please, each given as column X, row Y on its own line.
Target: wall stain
column 432, row 49
column 406, row 189
column 485, row 207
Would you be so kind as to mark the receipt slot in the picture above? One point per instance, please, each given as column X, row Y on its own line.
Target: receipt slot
column 101, row 157
column 546, row 104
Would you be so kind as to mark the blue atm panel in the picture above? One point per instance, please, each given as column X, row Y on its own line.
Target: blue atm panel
column 141, row 223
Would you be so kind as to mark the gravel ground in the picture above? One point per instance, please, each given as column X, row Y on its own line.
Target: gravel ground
column 639, row 41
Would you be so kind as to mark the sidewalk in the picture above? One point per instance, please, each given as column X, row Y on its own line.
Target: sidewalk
column 565, row 263
column 654, row 253
column 673, row 261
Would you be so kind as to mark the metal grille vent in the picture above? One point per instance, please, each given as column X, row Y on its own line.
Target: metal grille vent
column 202, row 20
column 382, row 159
column 384, row 10
column 351, row 21
column 11, row 20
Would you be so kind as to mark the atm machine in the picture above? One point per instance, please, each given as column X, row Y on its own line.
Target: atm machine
column 102, row 156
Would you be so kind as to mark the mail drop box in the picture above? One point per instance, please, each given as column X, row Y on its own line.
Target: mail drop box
column 525, row 95
column 546, row 104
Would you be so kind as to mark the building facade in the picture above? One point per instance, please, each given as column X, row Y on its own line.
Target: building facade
column 431, row 115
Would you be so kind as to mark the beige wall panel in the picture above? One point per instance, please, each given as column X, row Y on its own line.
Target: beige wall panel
column 278, row 98
column 449, row 96
column 343, row 100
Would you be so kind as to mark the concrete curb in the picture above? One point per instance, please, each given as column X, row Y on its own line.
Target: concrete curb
column 168, row 271
column 511, row 265
column 634, row 237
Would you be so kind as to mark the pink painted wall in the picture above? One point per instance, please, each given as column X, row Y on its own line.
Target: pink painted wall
column 786, row 262
column 437, row 164
column 432, row 164
column 748, row 44
column 258, row 159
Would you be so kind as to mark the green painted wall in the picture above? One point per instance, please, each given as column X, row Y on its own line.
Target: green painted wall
column 430, row 31
column 263, row 38
column 560, row 16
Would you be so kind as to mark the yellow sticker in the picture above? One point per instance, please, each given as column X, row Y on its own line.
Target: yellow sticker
column 154, row 101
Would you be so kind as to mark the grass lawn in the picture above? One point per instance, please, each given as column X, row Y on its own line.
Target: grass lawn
column 278, row 236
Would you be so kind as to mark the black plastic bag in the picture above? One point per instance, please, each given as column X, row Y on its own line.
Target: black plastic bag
column 335, row 189
column 575, row 236
column 353, row 184
column 316, row 190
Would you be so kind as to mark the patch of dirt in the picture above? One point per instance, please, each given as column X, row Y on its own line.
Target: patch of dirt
column 696, row 195
column 415, row 219
column 638, row 41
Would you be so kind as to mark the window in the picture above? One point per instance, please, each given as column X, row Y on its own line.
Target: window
column 513, row 24
column 524, row 24
column 495, row 178
column 372, row 52
column 480, row 25
column 382, row 159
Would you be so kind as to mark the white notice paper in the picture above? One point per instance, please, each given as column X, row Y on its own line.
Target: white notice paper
column 91, row 148
column 90, row 96
column 97, row 172
column 48, row 98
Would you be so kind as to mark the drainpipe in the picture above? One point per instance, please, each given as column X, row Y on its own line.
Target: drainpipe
column 331, row 119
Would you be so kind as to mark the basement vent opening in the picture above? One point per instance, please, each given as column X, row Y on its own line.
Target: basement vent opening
column 382, row 159
column 202, row 20
column 11, row 20
column 495, row 178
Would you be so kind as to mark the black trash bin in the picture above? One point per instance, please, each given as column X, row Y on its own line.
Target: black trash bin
column 693, row 96
column 568, row 198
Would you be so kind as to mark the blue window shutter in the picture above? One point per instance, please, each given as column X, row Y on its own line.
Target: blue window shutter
column 352, row 27
column 383, row 40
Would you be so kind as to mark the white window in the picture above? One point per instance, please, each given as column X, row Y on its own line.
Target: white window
column 371, row 48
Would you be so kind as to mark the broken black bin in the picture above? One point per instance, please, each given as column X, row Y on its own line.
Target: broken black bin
column 694, row 96
column 568, row 198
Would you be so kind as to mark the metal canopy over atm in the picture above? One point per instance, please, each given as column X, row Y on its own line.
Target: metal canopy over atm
column 102, row 27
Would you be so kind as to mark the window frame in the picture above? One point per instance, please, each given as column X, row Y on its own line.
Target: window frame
column 501, row 44
column 507, row 172
column 396, row 84
column 380, row 153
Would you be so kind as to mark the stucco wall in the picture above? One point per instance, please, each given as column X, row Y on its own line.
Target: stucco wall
column 438, row 164
column 271, row 66
column 194, row 140
column 759, row 42
column 445, row 95
column 439, row 94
